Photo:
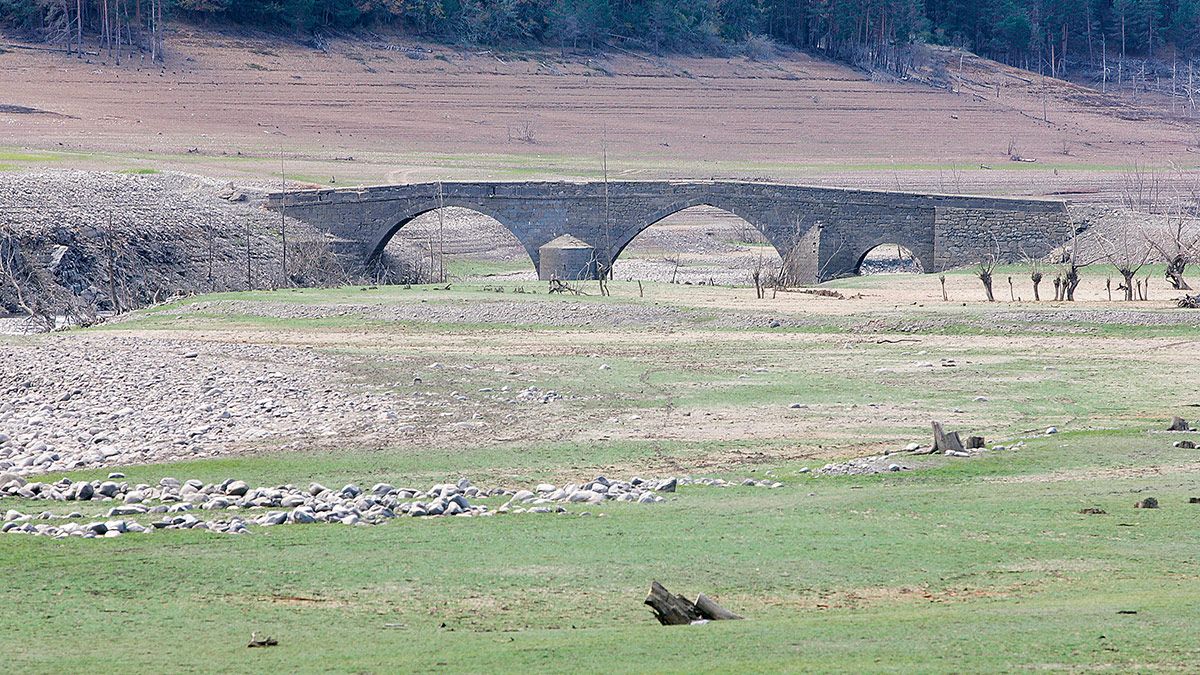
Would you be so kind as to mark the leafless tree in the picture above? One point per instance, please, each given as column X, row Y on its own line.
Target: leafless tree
column 1177, row 242
column 1073, row 260
column 762, row 273
column 522, row 132
column 1035, row 275
column 983, row 270
column 35, row 291
column 1128, row 252
column 14, row 272
column 1142, row 189
column 676, row 261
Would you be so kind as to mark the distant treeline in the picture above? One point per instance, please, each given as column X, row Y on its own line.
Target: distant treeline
column 1041, row 34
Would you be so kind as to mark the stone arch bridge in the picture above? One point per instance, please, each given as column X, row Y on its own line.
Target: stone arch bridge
column 823, row 232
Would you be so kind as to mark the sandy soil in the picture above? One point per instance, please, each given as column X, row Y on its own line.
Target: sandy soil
column 379, row 112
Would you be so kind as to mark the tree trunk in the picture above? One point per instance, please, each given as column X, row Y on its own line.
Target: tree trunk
column 986, row 278
column 1127, row 275
column 1071, row 283
column 669, row 609
column 945, row 442
column 676, row 610
column 1175, row 273
column 712, row 611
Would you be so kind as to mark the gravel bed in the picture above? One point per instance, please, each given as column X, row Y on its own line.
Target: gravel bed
column 69, row 402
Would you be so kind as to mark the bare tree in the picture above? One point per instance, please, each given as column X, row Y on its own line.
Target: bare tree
column 1142, row 190
column 1073, row 260
column 1128, row 252
column 1177, row 242
column 983, row 270
column 604, row 268
column 763, row 273
column 1035, row 275
column 35, row 291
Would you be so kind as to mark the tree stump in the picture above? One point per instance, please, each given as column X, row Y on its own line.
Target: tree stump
column 974, row 442
column 1178, row 424
column 945, row 442
column 671, row 610
column 676, row 610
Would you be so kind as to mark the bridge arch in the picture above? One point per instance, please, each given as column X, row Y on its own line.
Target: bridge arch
column 889, row 258
column 844, row 249
column 630, row 232
column 703, row 240
column 387, row 234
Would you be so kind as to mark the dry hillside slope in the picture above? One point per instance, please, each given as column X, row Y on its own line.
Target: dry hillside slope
column 370, row 111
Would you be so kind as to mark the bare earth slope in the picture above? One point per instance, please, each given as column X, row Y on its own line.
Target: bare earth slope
column 370, row 111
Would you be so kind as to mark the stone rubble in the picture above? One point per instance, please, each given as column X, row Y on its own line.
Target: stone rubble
column 885, row 463
column 177, row 502
column 93, row 403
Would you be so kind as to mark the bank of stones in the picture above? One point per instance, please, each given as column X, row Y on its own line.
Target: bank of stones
column 176, row 503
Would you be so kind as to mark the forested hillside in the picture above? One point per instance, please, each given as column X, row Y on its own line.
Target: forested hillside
column 1052, row 36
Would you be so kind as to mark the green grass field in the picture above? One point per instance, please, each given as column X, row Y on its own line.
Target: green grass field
column 947, row 570
column 963, row 565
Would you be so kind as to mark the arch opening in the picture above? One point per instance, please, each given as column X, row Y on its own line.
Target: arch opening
column 889, row 258
column 450, row 243
column 699, row 244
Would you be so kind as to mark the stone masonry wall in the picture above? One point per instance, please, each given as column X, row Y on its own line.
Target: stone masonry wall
column 963, row 236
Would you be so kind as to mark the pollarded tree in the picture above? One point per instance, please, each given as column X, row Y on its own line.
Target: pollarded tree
column 983, row 270
column 1128, row 252
column 1036, row 274
column 1073, row 260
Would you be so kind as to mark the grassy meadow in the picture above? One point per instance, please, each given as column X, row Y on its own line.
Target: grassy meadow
column 983, row 564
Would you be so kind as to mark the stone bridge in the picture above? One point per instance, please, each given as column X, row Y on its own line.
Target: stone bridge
column 824, row 233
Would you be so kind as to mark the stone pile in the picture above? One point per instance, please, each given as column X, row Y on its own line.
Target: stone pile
column 177, row 501
column 862, row 466
column 887, row 462
column 538, row 395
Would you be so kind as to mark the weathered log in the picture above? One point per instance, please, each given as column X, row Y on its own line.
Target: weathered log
column 945, row 442
column 669, row 609
column 710, row 610
column 974, row 442
column 1178, row 424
